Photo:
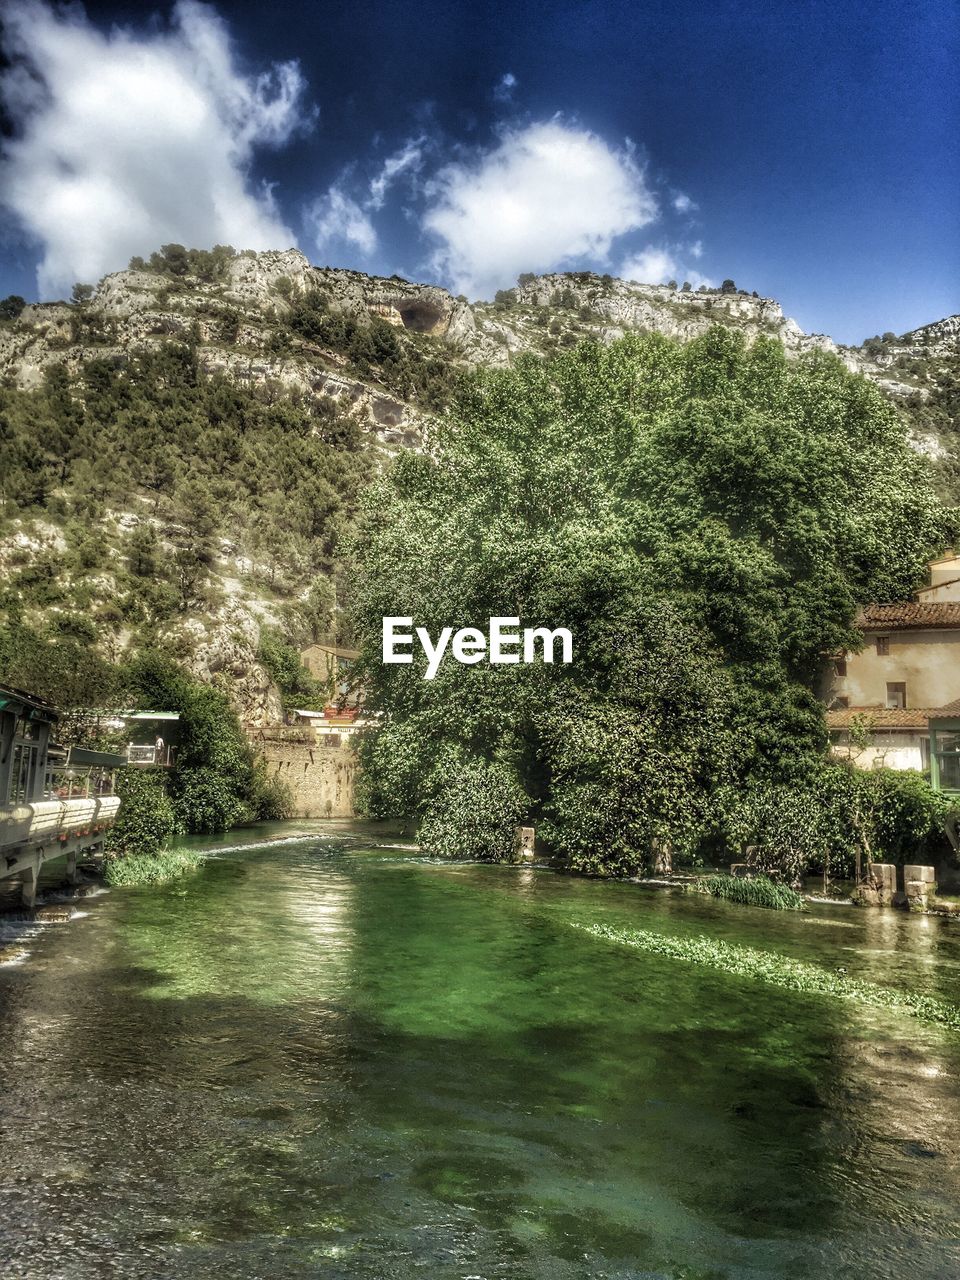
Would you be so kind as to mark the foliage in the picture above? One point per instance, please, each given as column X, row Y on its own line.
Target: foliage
column 273, row 799
column 472, row 810
column 150, row 868
column 214, row 783
column 840, row 816
column 376, row 348
column 11, row 306
column 297, row 686
column 202, row 457
column 753, row 891
column 57, row 661
column 146, row 819
column 781, row 971
column 208, row 265
column 705, row 519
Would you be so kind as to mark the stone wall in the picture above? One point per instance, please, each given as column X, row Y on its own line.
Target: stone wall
column 320, row 778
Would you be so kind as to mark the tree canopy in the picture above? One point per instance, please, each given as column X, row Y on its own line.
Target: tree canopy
column 705, row 519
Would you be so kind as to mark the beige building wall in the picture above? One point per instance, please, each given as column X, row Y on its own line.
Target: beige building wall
column 949, row 590
column 928, row 662
column 321, row 778
column 946, row 569
column 885, row 750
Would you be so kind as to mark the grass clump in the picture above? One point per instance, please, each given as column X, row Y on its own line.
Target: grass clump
column 781, row 971
column 150, row 868
column 753, row 891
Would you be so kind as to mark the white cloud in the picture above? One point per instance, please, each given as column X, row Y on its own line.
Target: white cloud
column 545, row 196
column 124, row 142
column 336, row 217
column 658, row 264
column 650, row 266
column 408, row 158
column 505, row 87
column 683, row 204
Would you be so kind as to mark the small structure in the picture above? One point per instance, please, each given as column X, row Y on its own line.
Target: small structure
column 880, row 700
column 149, row 738
column 152, row 737
column 336, row 725
column 329, row 663
column 54, row 801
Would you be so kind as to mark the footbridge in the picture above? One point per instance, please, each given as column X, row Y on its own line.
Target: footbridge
column 55, row 802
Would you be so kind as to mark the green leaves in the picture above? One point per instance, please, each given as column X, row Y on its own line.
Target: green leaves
column 705, row 519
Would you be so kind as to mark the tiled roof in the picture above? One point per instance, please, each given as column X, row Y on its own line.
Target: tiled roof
column 950, row 712
column 880, row 717
column 909, row 616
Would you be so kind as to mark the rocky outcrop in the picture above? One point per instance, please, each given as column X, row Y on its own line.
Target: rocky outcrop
column 222, row 651
column 237, row 318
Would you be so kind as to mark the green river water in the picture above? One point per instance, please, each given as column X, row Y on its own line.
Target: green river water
column 323, row 1058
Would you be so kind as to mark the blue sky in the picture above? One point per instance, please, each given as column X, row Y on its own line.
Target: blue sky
column 808, row 150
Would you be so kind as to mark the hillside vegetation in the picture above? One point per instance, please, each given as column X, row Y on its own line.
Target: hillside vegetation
column 183, row 446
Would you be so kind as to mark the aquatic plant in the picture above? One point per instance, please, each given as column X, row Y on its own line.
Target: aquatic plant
column 780, row 971
column 753, row 891
column 150, row 868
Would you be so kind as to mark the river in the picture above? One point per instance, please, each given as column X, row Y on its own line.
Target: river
column 322, row 1058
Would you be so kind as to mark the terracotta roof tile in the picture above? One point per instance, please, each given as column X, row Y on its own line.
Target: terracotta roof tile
column 880, row 717
column 908, row 615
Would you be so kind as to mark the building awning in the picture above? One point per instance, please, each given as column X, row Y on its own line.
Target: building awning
column 83, row 758
column 18, row 701
column 147, row 715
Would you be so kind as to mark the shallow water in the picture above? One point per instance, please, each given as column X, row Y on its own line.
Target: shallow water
column 316, row 1058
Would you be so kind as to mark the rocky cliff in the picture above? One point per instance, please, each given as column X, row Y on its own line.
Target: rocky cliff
column 237, row 320
column 377, row 353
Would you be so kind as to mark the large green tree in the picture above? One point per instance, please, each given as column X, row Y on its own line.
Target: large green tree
column 705, row 519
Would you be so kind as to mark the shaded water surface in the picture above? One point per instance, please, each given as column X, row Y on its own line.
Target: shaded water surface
column 318, row 1059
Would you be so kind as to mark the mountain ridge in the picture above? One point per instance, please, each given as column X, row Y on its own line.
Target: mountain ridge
column 203, row 424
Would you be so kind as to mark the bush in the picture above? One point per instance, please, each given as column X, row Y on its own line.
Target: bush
column 205, row 800
column 150, row 868
column 147, row 818
column 272, row 798
column 754, row 891
column 473, row 811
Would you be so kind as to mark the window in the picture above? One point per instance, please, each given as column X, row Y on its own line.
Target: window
column 840, row 667
column 839, row 704
column 897, row 694
column 948, row 760
column 883, row 646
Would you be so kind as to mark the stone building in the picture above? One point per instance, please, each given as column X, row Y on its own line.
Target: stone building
column 881, row 699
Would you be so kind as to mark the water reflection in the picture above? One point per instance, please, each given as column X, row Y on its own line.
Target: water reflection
column 314, row 1062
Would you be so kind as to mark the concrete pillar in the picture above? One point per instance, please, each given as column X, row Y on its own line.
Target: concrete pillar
column 28, row 884
column 879, row 886
column 919, row 886
column 524, row 839
column 912, row 871
column 72, row 876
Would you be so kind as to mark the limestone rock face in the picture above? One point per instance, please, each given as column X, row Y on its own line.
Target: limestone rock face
column 224, row 653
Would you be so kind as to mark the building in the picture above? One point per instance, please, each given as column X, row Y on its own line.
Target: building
column 54, row 801
column 329, row 663
column 335, row 726
column 880, row 701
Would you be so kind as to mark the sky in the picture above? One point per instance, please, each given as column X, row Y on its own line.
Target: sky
column 806, row 150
